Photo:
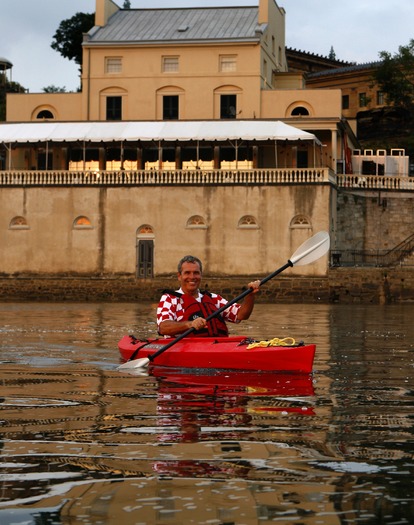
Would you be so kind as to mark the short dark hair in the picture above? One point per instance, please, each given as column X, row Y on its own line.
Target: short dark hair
column 189, row 259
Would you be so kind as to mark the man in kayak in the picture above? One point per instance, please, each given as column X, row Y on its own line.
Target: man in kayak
column 187, row 307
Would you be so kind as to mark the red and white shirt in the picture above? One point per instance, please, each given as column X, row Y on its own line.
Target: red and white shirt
column 170, row 308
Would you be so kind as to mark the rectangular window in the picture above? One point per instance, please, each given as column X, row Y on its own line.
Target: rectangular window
column 228, row 63
column 228, row 106
column 113, row 108
column 170, row 64
column 362, row 100
column 113, row 65
column 170, row 107
column 380, row 98
column 345, row 101
column 265, row 71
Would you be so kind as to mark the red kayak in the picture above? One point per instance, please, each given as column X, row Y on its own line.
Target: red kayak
column 244, row 383
column 230, row 353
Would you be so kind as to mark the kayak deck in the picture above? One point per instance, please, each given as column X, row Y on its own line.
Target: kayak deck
column 230, row 353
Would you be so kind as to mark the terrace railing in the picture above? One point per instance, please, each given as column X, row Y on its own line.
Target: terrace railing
column 205, row 177
column 376, row 182
column 167, row 177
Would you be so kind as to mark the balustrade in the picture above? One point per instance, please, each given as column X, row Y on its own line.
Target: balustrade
column 166, row 177
column 259, row 176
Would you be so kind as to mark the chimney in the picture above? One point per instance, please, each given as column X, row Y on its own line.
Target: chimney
column 104, row 10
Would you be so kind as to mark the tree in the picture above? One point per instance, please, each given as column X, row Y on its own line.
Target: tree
column 332, row 54
column 54, row 89
column 69, row 36
column 7, row 87
column 127, row 4
column 395, row 76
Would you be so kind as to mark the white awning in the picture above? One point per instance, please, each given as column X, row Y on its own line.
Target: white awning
column 209, row 130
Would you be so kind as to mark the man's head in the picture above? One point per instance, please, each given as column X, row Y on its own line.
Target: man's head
column 190, row 259
column 189, row 274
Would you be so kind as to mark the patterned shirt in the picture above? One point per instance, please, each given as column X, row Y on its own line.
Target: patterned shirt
column 170, row 308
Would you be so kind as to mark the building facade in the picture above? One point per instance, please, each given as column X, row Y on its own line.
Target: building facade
column 116, row 203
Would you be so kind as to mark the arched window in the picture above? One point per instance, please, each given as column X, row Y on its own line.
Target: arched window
column 112, row 103
column 18, row 223
column 228, row 102
column 145, row 231
column 196, row 222
column 170, row 101
column 300, row 222
column 300, row 111
column 248, row 222
column 82, row 223
column 45, row 114
column 299, row 108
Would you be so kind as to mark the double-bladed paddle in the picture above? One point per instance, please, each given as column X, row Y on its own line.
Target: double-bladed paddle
column 308, row 252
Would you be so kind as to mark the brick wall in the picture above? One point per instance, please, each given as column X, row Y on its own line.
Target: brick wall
column 342, row 285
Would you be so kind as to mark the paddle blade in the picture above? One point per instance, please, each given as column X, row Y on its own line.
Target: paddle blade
column 312, row 249
column 136, row 363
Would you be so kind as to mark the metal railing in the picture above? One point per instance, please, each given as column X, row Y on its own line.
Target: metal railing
column 399, row 255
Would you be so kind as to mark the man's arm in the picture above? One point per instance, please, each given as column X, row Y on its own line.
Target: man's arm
column 172, row 328
column 246, row 308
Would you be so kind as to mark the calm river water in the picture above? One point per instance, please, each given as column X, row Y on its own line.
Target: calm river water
column 83, row 443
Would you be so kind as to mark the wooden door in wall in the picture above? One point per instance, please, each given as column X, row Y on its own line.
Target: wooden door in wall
column 145, row 259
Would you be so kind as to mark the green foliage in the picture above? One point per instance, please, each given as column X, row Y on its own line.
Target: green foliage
column 127, row 4
column 54, row 89
column 69, row 36
column 7, row 87
column 332, row 54
column 395, row 76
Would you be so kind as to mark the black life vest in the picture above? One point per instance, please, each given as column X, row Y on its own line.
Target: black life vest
column 192, row 309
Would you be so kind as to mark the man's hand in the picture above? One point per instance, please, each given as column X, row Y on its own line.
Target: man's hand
column 199, row 323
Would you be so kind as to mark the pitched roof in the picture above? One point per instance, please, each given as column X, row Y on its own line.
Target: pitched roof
column 179, row 25
column 341, row 70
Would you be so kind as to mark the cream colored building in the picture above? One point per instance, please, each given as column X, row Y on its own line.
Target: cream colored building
column 187, row 64
column 135, row 206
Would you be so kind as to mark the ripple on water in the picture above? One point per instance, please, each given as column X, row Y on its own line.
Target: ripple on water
column 77, row 434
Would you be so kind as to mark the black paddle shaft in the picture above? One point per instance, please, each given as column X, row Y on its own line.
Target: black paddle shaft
column 219, row 311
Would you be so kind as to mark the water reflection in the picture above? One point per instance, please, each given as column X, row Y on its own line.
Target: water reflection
column 84, row 443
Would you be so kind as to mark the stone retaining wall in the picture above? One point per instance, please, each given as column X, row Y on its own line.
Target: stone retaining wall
column 342, row 285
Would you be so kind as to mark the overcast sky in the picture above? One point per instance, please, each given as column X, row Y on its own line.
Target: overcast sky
column 356, row 29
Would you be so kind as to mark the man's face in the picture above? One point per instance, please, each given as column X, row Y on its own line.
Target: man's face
column 190, row 277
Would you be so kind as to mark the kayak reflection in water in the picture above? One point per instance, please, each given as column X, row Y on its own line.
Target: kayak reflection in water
column 186, row 308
